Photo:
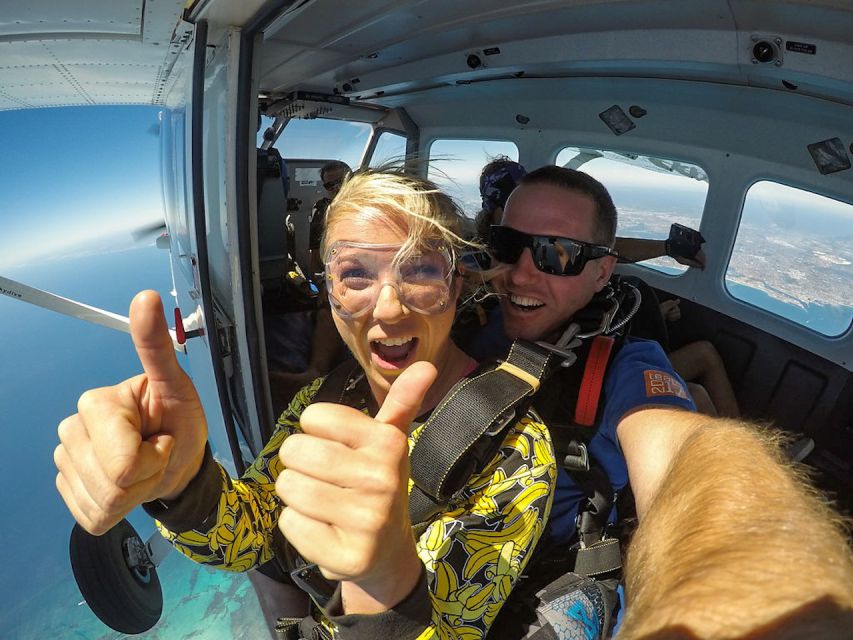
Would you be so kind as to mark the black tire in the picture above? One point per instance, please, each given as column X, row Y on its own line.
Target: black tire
column 125, row 599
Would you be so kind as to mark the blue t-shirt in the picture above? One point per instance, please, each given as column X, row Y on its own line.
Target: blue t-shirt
column 640, row 374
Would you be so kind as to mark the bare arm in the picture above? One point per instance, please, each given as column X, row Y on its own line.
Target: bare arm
column 732, row 542
column 639, row 249
column 651, row 439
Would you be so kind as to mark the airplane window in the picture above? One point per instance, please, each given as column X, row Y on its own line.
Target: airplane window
column 793, row 257
column 455, row 165
column 390, row 147
column 324, row 139
column 649, row 193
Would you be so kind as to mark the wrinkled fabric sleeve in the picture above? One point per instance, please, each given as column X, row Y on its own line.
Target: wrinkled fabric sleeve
column 233, row 528
column 410, row 619
column 473, row 553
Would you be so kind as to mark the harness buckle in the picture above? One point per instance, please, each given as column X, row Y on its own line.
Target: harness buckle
column 565, row 345
column 311, row 581
column 577, row 458
column 606, row 319
column 500, row 422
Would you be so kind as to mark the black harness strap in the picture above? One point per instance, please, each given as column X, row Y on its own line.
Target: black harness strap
column 338, row 383
column 599, row 559
column 341, row 381
column 466, row 430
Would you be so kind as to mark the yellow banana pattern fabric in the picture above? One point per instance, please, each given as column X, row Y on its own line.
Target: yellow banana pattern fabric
column 473, row 552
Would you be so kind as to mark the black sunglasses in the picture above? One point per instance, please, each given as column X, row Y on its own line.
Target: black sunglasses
column 328, row 186
column 551, row 254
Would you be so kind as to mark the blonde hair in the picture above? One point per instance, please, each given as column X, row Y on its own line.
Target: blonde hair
column 411, row 205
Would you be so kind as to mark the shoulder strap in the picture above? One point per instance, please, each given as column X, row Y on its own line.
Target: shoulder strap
column 338, row 383
column 589, row 393
column 466, row 430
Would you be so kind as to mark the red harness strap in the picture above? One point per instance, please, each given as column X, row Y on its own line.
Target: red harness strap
column 593, row 380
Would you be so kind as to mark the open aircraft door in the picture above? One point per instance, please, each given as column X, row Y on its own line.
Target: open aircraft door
column 204, row 171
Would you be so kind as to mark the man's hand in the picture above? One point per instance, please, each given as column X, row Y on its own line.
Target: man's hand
column 670, row 309
column 137, row 441
column 698, row 260
column 685, row 246
column 345, row 487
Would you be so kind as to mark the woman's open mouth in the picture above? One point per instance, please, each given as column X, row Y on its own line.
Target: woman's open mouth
column 393, row 353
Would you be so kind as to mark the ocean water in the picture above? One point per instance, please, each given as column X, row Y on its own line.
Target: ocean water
column 46, row 361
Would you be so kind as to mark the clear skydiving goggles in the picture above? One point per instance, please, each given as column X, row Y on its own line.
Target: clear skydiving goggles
column 551, row 254
column 357, row 272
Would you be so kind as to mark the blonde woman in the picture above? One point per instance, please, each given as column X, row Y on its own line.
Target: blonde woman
column 334, row 478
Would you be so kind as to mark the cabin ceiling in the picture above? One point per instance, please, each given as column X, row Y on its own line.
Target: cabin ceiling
column 81, row 52
column 84, row 52
column 377, row 48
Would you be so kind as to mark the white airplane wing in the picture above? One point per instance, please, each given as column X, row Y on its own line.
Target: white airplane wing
column 87, row 52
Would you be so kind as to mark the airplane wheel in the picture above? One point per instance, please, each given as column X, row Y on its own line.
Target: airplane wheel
column 122, row 591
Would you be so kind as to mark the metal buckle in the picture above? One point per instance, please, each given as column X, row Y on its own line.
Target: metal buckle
column 500, row 422
column 311, row 581
column 577, row 461
column 565, row 345
column 606, row 319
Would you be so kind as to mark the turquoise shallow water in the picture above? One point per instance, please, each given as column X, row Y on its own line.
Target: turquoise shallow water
column 199, row 603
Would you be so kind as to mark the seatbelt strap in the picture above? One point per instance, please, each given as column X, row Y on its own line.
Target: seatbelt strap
column 593, row 380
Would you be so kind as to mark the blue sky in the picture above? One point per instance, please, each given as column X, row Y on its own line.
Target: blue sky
column 73, row 175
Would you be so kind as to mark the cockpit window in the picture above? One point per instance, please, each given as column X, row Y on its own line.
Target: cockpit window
column 324, row 139
column 793, row 256
column 390, row 148
column 650, row 193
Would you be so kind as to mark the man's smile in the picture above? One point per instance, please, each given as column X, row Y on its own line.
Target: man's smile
column 525, row 303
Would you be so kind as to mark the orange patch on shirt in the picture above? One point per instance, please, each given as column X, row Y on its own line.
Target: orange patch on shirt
column 660, row 383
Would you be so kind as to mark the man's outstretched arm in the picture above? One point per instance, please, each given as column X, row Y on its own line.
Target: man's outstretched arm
column 732, row 541
column 640, row 249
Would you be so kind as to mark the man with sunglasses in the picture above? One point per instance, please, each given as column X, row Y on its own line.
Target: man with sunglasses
column 553, row 255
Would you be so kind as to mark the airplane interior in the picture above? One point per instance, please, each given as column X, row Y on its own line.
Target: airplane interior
column 730, row 117
column 746, row 92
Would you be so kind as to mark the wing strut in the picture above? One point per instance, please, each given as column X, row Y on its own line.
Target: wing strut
column 46, row 300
